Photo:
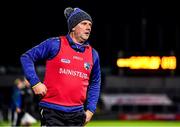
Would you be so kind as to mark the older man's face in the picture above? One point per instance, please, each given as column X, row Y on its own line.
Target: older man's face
column 82, row 30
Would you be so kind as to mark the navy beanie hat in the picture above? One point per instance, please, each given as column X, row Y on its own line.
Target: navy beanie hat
column 75, row 16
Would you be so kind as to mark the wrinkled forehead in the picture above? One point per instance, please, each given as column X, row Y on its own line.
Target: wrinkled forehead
column 86, row 21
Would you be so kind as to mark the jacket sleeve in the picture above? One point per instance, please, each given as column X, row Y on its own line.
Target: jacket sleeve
column 94, row 86
column 45, row 50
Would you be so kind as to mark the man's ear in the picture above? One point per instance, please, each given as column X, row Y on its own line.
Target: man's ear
column 73, row 29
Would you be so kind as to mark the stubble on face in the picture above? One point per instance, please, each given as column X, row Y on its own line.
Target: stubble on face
column 83, row 30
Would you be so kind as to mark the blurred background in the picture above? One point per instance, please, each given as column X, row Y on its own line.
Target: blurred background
column 138, row 45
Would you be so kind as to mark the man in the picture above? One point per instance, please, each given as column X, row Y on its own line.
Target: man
column 28, row 97
column 16, row 105
column 71, row 86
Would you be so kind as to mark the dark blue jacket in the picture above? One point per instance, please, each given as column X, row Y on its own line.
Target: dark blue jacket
column 48, row 50
column 16, row 98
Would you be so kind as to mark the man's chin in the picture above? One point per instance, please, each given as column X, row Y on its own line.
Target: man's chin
column 85, row 38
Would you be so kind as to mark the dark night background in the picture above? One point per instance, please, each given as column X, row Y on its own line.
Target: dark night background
column 136, row 28
column 133, row 27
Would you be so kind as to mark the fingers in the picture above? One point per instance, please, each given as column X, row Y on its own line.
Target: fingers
column 40, row 90
column 43, row 93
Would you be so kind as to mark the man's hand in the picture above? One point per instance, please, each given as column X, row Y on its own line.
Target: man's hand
column 89, row 115
column 40, row 89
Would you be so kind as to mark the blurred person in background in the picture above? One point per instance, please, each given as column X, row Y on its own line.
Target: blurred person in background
column 27, row 103
column 28, row 97
column 71, row 86
column 16, row 105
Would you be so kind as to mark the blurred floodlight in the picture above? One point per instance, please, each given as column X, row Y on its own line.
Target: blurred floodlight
column 147, row 62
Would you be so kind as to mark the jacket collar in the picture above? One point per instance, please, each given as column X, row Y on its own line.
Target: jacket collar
column 77, row 47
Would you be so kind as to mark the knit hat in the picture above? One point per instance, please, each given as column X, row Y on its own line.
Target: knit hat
column 75, row 16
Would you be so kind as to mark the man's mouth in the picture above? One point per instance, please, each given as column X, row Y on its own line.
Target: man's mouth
column 87, row 33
